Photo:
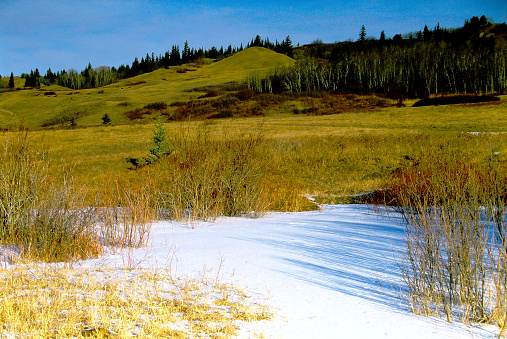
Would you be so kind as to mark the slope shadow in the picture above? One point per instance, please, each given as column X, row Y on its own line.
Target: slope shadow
column 347, row 249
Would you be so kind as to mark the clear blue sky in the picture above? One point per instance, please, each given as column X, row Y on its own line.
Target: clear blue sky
column 64, row 34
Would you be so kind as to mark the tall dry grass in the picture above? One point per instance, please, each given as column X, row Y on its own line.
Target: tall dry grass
column 124, row 215
column 60, row 302
column 210, row 176
column 39, row 215
column 456, row 247
column 43, row 216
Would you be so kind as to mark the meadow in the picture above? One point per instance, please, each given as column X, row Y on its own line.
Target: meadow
column 234, row 152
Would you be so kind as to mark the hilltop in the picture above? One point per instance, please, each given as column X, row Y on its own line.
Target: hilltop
column 146, row 98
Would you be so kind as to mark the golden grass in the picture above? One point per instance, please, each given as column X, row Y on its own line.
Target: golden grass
column 329, row 155
column 64, row 302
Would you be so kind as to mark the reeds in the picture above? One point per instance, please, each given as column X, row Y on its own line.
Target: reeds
column 38, row 214
column 456, row 248
column 207, row 177
column 42, row 214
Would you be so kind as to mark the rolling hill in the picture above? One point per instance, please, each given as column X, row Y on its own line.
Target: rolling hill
column 55, row 106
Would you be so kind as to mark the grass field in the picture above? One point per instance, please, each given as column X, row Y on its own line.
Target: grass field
column 326, row 155
column 271, row 153
column 322, row 143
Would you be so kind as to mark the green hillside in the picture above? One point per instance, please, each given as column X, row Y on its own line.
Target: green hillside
column 55, row 106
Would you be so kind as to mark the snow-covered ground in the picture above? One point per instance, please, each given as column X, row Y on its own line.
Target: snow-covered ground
column 327, row 274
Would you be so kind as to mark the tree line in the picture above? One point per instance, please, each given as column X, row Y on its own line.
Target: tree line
column 96, row 77
column 463, row 60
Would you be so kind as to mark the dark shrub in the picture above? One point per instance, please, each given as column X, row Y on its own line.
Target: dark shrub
column 245, row 94
column 158, row 106
column 456, row 99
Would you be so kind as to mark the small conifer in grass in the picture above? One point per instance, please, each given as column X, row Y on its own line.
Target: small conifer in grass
column 161, row 144
column 162, row 148
column 106, row 120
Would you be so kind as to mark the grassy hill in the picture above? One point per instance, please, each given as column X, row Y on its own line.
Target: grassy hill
column 55, row 106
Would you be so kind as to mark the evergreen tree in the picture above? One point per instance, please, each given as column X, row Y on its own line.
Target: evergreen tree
column 32, row 80
column 438, row 33
column 287, row 46
column 136, row 68
column 257, row 42
column 426, row 34
column 50, row 76
column 185, row 56
column 362, row 34
column 162, row 145
column 106, row 120
column 382, row 36
column 11, row 81
column 175, row 58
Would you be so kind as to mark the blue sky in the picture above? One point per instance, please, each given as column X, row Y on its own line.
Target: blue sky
column 64, row 34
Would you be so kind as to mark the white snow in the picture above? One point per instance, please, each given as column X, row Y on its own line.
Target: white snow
column 332, row 273
column 327, row 274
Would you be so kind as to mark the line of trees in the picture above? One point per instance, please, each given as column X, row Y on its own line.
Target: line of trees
column 436, row 63
column 96, row 77
column 284, row 47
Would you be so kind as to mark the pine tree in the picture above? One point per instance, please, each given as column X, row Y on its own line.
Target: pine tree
column 11, row 81
column 287, row 46
column 362, row 34
column 162, row 145
column 185, row 55
column 257, row 42
column 175, row 58
column 382, row 36
column 426, row 33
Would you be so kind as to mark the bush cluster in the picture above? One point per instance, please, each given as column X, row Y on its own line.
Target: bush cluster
column 456, row 245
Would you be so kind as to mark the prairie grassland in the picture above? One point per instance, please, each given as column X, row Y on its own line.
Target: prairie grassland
column 245, row 165
column 332, row 154
column 65, row 302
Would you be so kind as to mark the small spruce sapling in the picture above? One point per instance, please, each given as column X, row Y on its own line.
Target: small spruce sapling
column 162, row 148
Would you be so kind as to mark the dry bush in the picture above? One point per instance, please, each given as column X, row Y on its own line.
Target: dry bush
column 157, row 106
column 211, row 175
column 207, row 177
column 43, row 217
column 40, row 215
column 124, row 214
column 456, row 258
